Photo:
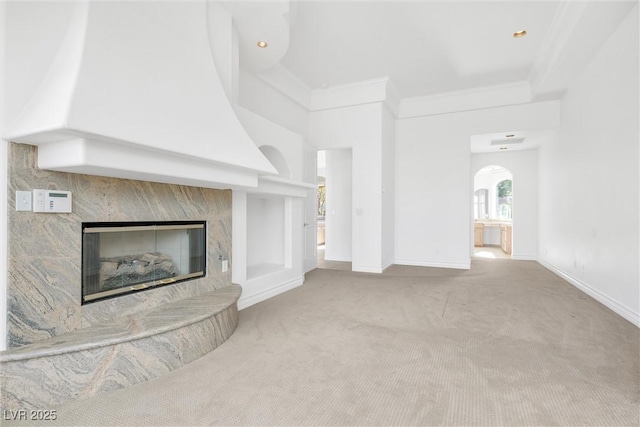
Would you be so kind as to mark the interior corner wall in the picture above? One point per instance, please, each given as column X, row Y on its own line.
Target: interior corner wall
column 433, row 214
column 239, row 237
column 257, row 96
column 388, row 187
column 523, row 166
column 339, row 212
column 589, row 179
column 358, row 127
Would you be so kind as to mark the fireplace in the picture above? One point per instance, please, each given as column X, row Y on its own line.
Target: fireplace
column 123, row 257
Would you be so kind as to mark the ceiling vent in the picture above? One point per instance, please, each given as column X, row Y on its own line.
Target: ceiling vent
column 508, row 141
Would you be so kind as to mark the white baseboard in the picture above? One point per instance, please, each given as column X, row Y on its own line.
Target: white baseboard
column 595, row 294
column 249, row 300
column 310, row 264
column 524, row 257
column 339, row 259
column 458, row 266
column 366, row 269
column 369, row 269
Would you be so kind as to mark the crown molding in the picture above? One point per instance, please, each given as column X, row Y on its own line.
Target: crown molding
column 285, row 82
column 393, row 98
column 383, row 90
column 564, row 22
column 350, row 94
column 346, row 95
column 464, row 100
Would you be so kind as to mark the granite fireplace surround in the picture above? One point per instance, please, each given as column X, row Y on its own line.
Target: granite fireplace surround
column 44, row 290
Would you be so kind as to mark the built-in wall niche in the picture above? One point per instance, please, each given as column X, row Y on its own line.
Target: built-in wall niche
column 268, row 234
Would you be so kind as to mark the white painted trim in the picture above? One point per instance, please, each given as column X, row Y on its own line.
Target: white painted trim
column 4, row 197
column 338, row 259
column 465, row 100
column 349, row 94
column 283, row 81
column 386, row 266
column 605, row 300
column 4, row 231
column 367, row 269
column 393, row 98
column 281, row 186
column 249, row 300
column 310, row 264
column 458, row 266
column 357, row 93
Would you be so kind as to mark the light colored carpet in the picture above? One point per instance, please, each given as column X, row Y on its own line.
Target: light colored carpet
column 505, row 343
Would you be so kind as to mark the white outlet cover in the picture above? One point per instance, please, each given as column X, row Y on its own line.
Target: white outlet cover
column 23, row 201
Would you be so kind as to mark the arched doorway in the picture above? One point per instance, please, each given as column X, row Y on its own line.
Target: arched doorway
column 493, row 213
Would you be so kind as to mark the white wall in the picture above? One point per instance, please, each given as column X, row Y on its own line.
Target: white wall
column 523, row 166
column 339, row 195
column 358, row 127
column 589, row 189
column 268, row 234
column 223, row 39
column 265, row 230
column 388, row 187
column 259, row 97
column 433, row 214
column 267, row 133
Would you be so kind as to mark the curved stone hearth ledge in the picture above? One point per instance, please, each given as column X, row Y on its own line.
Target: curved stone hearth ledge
column 117, row 354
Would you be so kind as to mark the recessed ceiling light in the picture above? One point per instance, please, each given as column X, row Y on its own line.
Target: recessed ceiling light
column 510, row 135
column 519, row 34
column 262, row 44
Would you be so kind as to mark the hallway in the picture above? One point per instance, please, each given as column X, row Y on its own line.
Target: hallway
column 331, row 265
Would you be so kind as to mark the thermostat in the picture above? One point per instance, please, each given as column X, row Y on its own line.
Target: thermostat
column 51, row 201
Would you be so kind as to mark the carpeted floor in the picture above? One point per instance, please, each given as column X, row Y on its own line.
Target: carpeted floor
column 505, row 343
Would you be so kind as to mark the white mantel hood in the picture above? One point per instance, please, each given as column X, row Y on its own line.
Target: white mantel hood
column 133, row 92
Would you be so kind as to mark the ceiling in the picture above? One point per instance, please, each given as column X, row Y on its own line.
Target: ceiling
column 425, row 47
column 428, row 47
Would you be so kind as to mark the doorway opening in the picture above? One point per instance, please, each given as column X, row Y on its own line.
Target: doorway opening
column 334, row 214
column 493, row 213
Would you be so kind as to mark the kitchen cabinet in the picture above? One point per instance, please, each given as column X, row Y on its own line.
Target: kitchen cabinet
column 505, row 238
column 478, row 233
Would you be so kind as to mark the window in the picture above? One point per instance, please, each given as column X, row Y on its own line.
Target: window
column 480, row 208
column 505, row 199
column 321, row 198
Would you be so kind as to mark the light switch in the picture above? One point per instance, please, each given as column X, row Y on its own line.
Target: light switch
column 23, row 200
column 225, row 265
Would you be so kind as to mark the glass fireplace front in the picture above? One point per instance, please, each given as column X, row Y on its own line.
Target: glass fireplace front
column 124, row 257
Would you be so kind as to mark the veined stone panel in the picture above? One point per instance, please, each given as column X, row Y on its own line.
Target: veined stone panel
column 44, row 284
column 117, row 354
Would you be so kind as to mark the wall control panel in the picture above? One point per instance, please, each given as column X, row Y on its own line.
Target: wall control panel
column 51, row 201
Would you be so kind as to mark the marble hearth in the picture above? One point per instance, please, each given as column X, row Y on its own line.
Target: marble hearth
column 117, row 354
